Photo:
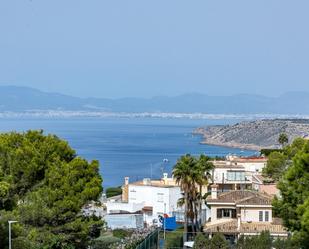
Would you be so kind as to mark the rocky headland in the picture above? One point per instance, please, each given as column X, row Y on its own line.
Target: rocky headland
column 253, row 135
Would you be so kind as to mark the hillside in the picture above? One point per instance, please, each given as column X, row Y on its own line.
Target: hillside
column 19, row 99
column 253, row 135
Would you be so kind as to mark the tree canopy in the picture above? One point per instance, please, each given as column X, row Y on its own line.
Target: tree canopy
column 293, row 206
column 44, row 185
column 261, row 241
column 283, row 139
column 276, row 165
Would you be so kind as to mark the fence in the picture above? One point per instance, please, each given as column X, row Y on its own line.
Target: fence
column 150, row 242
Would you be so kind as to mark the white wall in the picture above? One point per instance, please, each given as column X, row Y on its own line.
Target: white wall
column 252, row 166
column 155, row 197
column 129, row 207
column 247, row 214
column 124, row 221
column 174, row 196
column 252, row 214
column 213, row 213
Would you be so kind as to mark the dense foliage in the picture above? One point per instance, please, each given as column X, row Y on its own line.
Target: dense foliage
column 279, row 160
column 276, row 165
column 110, row 192
column 174, row 239
column 217, row 241
column 262, row 241
column 293, row 207
column 266, row 152
column 43, row 185
column 283, row 139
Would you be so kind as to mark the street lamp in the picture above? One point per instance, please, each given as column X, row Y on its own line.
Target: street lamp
column 164, row 220
column 10, row 236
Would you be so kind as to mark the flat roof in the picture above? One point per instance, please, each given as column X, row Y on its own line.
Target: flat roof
column 156, row 183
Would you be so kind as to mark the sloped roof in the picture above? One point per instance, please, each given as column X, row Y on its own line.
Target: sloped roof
column 259, row 178
column 255, row 200
column 241, row 197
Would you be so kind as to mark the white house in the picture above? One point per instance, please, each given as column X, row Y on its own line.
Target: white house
column 252, row 164
column 235, row 173
column 151, row 197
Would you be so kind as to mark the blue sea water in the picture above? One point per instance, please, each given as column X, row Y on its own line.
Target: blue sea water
column 133, row 147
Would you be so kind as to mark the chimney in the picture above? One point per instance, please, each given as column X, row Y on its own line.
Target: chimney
column 126, row 180
column 125, row 190
column 214, row 191
column 165, row 178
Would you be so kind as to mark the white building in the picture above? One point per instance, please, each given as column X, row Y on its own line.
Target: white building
column 124, row 221
column 252, row 164
column 235, row 173
column 151, row 197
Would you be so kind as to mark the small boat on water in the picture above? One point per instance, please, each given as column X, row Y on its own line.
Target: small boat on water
column 165, row 160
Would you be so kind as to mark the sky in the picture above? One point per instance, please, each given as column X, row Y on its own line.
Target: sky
column 141, row 48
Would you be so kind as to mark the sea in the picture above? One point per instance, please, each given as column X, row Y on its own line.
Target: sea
column 134, row 147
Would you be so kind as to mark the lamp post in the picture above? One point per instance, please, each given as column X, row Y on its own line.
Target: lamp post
column 10, row 235
column 164, row 220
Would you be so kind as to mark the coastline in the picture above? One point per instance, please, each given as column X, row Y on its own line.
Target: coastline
column 233, row 145
column 253, row 135
column 207, row 141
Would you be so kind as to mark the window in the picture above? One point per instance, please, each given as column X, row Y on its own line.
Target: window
column 266, row 215
column 226, row 213
column 260, row 215
column 160, row 197
column 236, row 176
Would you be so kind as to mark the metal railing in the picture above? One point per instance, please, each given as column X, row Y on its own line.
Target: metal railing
column 151, row 241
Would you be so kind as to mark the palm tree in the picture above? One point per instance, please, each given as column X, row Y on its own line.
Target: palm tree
column 192, row 174
column 182, row 172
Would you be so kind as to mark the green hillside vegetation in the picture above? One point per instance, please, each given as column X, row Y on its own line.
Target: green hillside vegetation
column 113, row 191
column 43, row 185
column 290, row 169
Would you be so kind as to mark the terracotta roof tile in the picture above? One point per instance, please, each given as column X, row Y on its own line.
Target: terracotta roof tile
column 244, row 197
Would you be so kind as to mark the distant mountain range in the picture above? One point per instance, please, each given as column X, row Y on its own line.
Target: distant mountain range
column 20, row 99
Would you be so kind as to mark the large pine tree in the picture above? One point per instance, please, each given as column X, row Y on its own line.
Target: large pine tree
column 43, row 185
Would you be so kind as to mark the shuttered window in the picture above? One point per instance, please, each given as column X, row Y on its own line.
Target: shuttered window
column 266, row 215
column 219, row 213
column 260, row 215
column 226, row 213
column 233, row 213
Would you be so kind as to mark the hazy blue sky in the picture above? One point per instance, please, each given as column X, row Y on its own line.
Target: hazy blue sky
column 110, row 48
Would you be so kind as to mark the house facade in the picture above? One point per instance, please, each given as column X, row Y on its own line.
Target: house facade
column 236, row 173
column 153, row 198
column 241, row 212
